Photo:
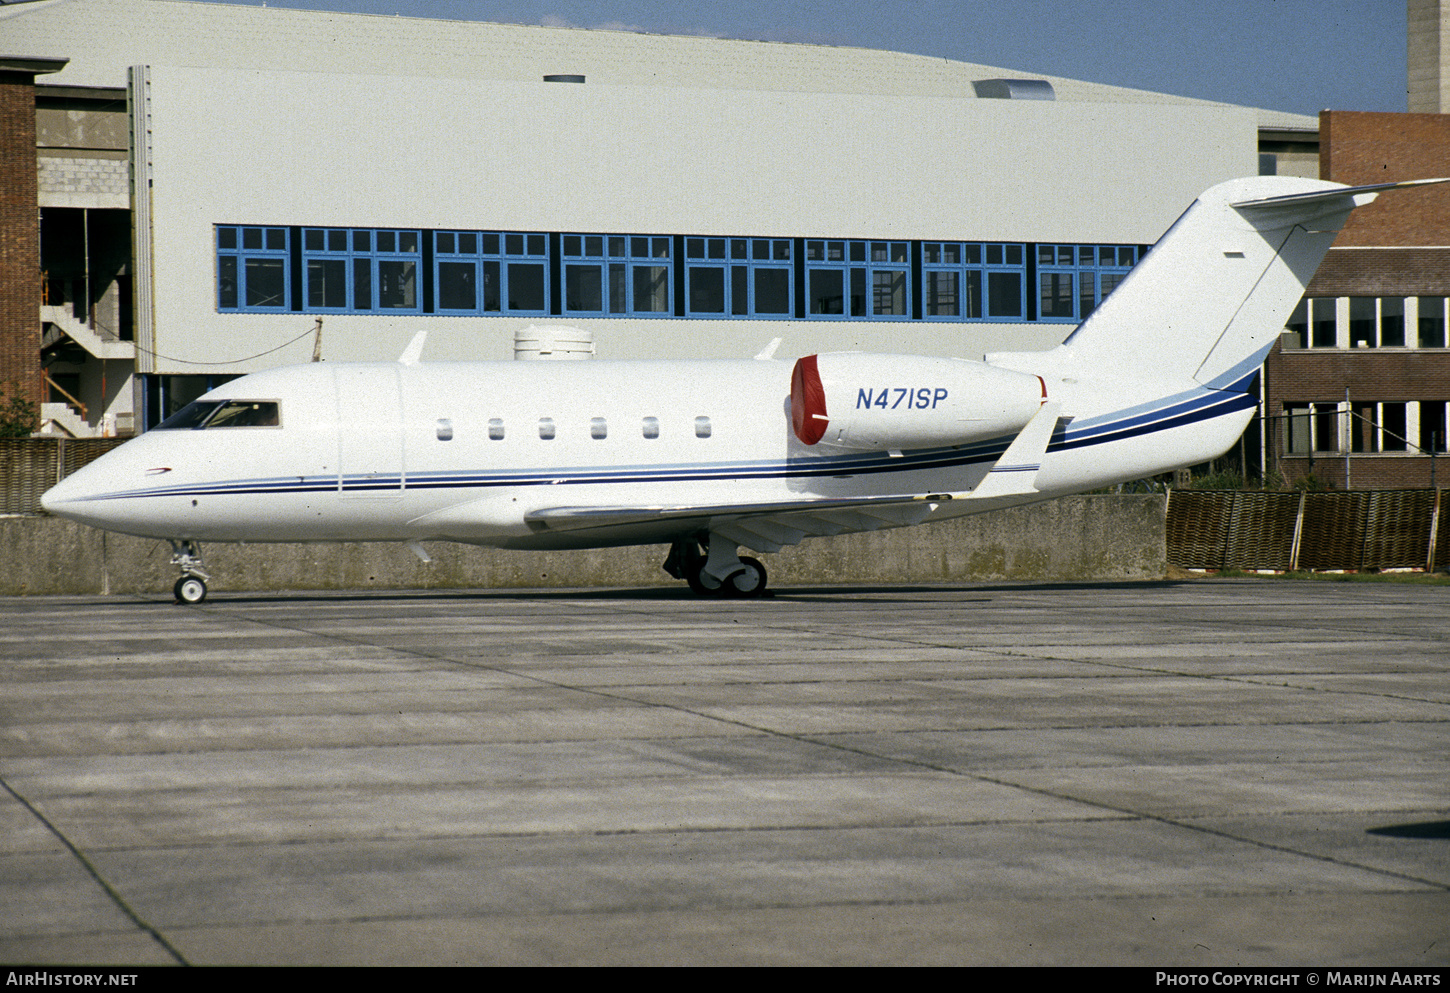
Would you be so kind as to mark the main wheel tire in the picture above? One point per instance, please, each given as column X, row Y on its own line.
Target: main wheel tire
column 696, row 578
column 748, row 582
column 190, row 589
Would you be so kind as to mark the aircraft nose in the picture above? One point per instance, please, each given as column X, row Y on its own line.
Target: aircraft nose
column 62, row 496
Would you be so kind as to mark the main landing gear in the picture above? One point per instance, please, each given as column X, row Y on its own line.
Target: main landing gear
column 712, row 567
column 191, row 587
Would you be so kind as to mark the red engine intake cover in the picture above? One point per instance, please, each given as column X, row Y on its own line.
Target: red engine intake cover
column 807, row 401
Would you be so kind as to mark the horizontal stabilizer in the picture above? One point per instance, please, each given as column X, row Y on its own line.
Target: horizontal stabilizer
column 1316, row 196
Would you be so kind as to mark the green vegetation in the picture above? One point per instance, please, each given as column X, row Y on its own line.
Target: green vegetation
column 19, row 417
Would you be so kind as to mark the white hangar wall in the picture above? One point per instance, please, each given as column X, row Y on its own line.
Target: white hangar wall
column 313, row 149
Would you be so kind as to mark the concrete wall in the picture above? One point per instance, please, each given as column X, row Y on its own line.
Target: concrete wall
column 1074, row 538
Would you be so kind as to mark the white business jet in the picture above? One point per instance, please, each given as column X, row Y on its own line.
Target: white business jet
column 707, row 456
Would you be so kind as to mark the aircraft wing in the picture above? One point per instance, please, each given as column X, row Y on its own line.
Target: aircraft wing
column 764, row 527
column 768, row 527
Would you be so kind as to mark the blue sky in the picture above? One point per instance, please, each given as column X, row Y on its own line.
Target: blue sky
column 1296, row 55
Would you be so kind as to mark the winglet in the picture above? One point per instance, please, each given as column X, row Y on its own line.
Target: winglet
column 1016, row 471
column 768, row 352
column 414, row 351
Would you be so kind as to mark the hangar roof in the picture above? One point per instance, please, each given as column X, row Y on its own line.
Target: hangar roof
column 102, row 37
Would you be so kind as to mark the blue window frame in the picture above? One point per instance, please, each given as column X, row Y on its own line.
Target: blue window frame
column 491, row 272
column 394, row 260
column 610, row 275
column 362, row 270
column 858, row 279
column 253, row 270
column 973, row 281
column 454, row 272
column 327, row 270
column 1073, row 279
column 738, row 277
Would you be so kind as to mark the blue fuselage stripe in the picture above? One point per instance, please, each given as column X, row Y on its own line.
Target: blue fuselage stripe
column 1178, row 412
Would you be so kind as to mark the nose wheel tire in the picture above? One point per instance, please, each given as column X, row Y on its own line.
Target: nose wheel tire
column 190, row 589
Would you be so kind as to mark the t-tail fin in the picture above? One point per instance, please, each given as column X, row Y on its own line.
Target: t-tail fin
column 1207, row 302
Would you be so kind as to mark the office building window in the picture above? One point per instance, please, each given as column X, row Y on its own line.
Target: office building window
column 1310, row 428
column 858, row 279
column 738, row 277
column 1432, row 427
column 1323, row 324
column 1431, row 323
column 973, row 281
column 1372, row 322
column 1298, row 326
column 491, row 272
column 1073, row 279
column 253, row 273
column 361, row 270
column 616, row 275
column 488, row 273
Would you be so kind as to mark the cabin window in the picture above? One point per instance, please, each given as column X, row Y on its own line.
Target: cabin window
column 702, row 427
column 495, row 429
column 651, row 427
column 546, row 428
column 598, row 428
column 445, row 429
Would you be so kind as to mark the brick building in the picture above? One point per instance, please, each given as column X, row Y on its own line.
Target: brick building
column 20, row 372
column 1357, row 394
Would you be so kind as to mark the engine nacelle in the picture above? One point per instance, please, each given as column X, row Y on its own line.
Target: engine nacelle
column 887, row 402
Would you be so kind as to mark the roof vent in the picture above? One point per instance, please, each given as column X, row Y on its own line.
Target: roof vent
column 553, row 341
column 1014, row 89
column 564, row 77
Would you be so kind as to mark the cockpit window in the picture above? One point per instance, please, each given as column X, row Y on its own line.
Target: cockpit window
column 244, row 414
column 193, row 415
column 207, row 414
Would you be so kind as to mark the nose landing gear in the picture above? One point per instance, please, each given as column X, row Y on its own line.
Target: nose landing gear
column 718, row 572
column 191, row 587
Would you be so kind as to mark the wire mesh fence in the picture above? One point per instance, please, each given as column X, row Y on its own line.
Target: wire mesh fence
column 1283, row 532
column 30, row 466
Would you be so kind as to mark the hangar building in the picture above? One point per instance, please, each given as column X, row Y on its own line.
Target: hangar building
column 222, row 188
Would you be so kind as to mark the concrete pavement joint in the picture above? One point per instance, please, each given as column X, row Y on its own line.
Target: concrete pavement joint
column 95, row 874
